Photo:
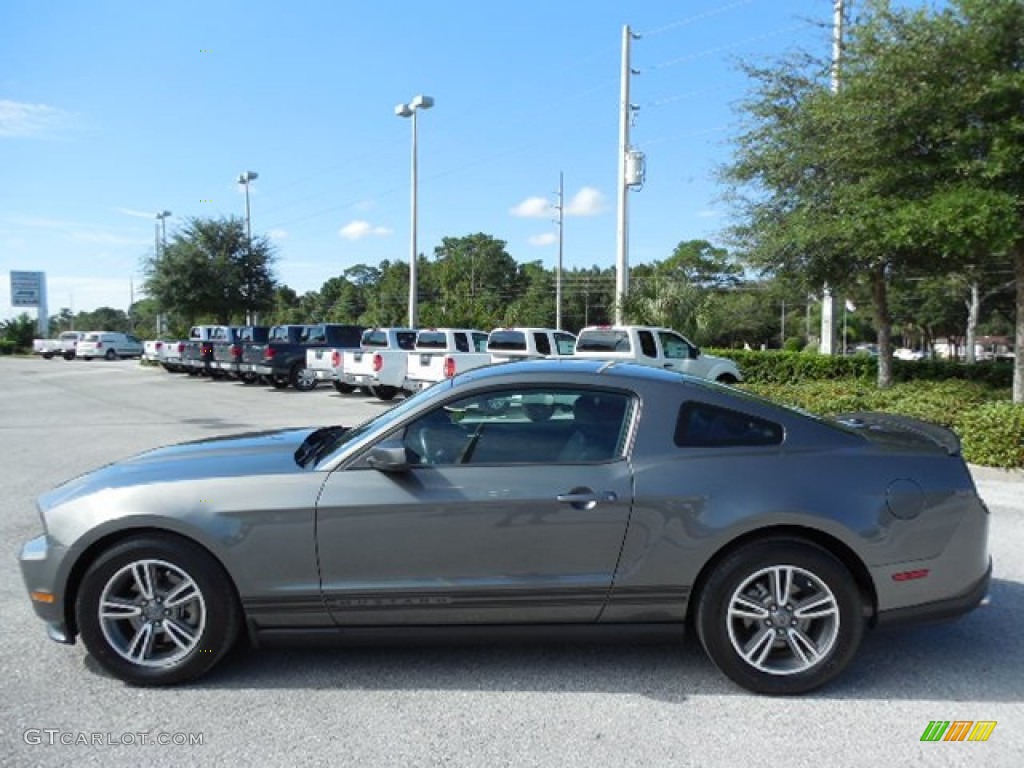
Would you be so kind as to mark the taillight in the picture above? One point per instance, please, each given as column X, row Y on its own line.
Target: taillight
column 206, row 349
column 335, row 359
column 181, row 347
column 449, row 367
column 99, row 344
column 378, row 362
column 269, row 353
column 235, row 351
column 159, row 345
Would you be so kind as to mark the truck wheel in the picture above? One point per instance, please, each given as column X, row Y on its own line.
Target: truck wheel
column 69, row 355
column 302, row 378
column 111, row 355
column 385, row 393
column 345, row 389
column 47, row 355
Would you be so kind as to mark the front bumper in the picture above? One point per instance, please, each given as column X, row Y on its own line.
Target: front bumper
column 40, row 566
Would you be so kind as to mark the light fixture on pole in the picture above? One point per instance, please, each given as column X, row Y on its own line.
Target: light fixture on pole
column 161, row 243
column 410, row 110
column 244, row 179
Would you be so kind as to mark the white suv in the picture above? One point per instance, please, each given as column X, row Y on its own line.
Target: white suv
column 108, row 345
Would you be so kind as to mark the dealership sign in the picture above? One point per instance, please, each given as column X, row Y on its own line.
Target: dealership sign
column 27, row 289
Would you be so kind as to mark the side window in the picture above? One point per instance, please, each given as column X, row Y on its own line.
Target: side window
column 461, row 343
column 479, row 342
column 522, row 426
column 543, row 345
column 675, row 347
column 704, row 425
column 407, row 340
column 647, row 345
column 565, row 344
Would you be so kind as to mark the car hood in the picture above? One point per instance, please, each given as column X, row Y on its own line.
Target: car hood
column 259, row 453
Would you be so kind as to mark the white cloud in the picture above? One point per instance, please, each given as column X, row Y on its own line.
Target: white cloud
column 358, row 229
column 277, row 234
column 548, row 238
column 587, row 202
column 19, row 120
column 533, row 208
column 136, row 214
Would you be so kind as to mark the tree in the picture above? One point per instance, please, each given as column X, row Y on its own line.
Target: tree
column 20, row 330
column 869, row 183
column 209, row 269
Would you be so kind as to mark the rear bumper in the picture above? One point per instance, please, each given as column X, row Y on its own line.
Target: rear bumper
column 939, row 610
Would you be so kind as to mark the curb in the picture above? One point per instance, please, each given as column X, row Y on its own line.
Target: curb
column 995, row 474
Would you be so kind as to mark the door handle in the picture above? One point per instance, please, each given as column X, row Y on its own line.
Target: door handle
column 586, row 499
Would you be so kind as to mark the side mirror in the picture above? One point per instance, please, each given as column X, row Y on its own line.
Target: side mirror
column 388, row 459
column 694, row 352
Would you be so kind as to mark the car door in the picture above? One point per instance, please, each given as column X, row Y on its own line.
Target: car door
column 492, row 521
column 680, row 355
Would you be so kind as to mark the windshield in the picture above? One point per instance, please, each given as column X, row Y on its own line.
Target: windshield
column 379, row 424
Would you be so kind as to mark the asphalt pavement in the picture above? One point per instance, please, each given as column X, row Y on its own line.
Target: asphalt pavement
column 544, row 704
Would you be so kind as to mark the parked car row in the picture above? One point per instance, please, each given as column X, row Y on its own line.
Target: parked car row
column 109, row 345
column 386, row 362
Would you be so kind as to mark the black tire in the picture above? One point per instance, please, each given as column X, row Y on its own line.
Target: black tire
column 47, row 355
column 206, row 618
column 279, row 382
column 385, row 393
column 69, row 355
column 781, row 643
column 302, row 378
column 345, row 389
column 111, row 355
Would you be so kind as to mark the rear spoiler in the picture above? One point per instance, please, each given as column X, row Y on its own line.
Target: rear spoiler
column 890, row 426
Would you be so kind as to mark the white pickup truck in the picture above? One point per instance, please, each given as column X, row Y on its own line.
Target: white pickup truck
column 63, row 346
column 443, row 352
column 327, row 363
column 379, row 365
column 507, row 344
column 656, row 347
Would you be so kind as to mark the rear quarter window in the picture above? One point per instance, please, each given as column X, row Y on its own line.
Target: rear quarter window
column 704, row 425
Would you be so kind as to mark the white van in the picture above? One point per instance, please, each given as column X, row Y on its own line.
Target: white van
column 108, row 345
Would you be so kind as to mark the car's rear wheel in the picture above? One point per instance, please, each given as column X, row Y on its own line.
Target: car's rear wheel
column 303, row 378
column 157, row 610
column 111, row 355
column 345, row 389
column 780, row 616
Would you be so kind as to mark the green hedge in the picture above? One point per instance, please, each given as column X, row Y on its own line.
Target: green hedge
column 7, row 347
column 774, row 366
column 990, row 427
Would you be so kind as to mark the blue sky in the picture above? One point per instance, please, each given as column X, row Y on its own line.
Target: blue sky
column 112, row 111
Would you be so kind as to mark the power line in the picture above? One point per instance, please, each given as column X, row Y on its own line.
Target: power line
column 698, row 17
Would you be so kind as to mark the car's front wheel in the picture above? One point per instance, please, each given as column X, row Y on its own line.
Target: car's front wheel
column 157, row 610
column 780, row 616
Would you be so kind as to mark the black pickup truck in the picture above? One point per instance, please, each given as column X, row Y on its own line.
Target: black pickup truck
column 228, row 355
column 284, row 355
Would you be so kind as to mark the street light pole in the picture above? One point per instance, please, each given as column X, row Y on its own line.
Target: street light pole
column 244, row 179
column 410, row 110
column 160, row 247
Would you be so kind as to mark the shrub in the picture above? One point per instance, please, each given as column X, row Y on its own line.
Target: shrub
column 993, row 435
column 7, row 347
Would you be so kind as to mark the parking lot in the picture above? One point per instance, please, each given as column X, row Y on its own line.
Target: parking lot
column 564, row 704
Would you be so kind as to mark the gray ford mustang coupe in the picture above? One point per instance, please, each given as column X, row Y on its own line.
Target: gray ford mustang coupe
column 545, row 495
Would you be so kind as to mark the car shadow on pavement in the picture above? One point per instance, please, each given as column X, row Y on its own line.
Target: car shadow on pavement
column 976, row 658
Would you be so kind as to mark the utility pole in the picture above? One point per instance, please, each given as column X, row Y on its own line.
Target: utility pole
column 558, row 271
column 828, row 301
column 622, row 229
